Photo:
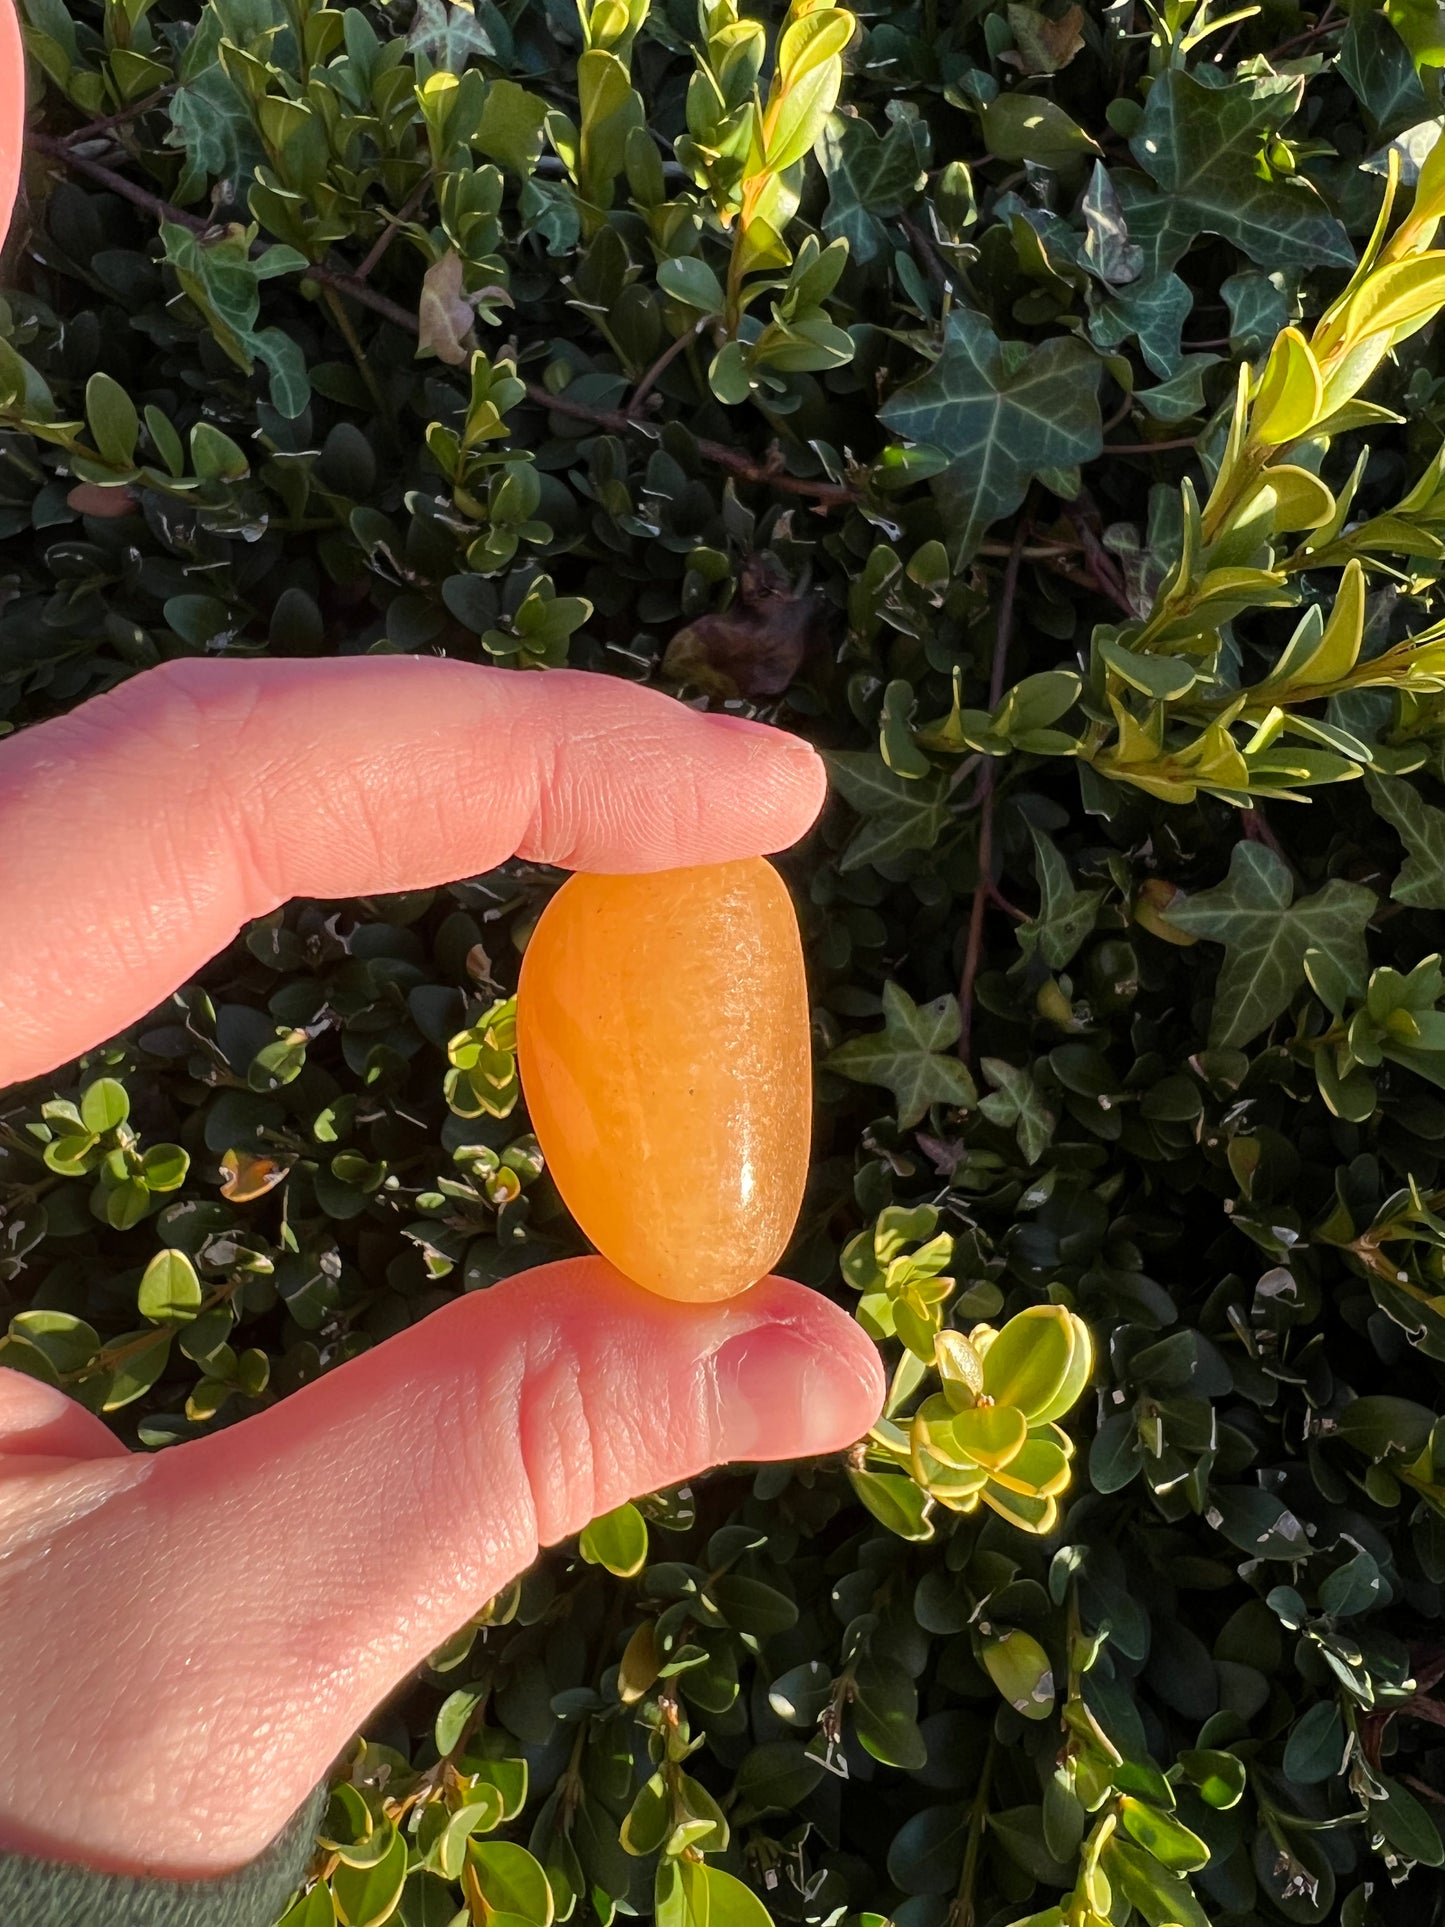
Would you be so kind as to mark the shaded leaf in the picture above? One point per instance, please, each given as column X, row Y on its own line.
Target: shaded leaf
column 1002, row 413
column 909, row 1056
column 1202, row 144
column 1267, row 937
column 902, row 812
column 1420, row 881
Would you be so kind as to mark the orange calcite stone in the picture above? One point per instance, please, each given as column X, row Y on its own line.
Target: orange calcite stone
column 662, row 1039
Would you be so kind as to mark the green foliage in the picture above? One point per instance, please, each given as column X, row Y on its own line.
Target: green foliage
column 1043, row 409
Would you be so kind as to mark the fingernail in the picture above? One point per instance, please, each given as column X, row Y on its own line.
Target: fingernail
column 780, row 1398
column 746, row 726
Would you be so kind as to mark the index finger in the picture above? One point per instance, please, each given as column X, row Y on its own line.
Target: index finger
column 140, row 832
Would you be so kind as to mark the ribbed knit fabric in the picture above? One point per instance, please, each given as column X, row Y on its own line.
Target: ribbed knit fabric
column 47, row 1893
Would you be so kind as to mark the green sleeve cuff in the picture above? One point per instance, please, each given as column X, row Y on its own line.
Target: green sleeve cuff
column 49, row 1893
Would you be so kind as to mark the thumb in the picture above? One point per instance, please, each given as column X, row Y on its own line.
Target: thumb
column 271, row 1583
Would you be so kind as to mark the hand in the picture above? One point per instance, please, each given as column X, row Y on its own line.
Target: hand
column 189, row 1638
column 12, row 110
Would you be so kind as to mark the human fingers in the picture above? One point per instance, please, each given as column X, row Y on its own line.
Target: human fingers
column 12, row 110
column 266, row 1586
column 139, row 832
column 37, row 1421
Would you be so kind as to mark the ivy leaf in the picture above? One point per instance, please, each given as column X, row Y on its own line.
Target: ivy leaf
column 1202, row 145
column 1266, row 938
column 224, row 280
column 870, row 178
column 1018, row 1100
column 907, row 1056
column 1153, row 312
column 1066, row 915
column 211, row 118
column 1421, row 828
column 1110, row 253
column 449, row 35
column 902, row 812
column 1182, row 395
column 1375, row 65
column 1002, row 412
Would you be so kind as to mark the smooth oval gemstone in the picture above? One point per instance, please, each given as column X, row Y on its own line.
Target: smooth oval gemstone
column 662, row 1040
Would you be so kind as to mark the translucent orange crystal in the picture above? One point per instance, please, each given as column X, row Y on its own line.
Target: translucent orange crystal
column 662, row 1039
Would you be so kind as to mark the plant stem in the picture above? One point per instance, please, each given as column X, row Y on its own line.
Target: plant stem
column 925, row 252
column 1149, row 448
column 1328, row 21
column 1257, row 830
column 394, row 224
column 59, row 150
column 358, row 355
column 962, row 1913
column 824, row 495
column 1102, row 566
column 664, row 361
column 118, row 119
column 1118, row 415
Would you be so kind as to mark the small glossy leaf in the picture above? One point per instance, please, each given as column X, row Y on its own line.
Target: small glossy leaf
column 1220, row 1777
column 510, row 1880
column 1027, row 1364
column 1161, row 1834
column 367, row 1896
column 1020, row 1669
column 104, row 1105
column 618, row 1541
column 170, row 1290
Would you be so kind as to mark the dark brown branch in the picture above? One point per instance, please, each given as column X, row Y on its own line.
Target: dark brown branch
column 1084, row 579
column 1329, row 21
column 148, row 203
column 824, row 495
column 664, row 361
column 1118, row 415
column 120, row 118
column 1102, row 566
column 394, row 225
column 770, row 473
column 365, row 296
column 1257, row 830
column 926, row 254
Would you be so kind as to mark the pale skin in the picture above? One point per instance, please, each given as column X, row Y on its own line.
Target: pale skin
column 189, row 1638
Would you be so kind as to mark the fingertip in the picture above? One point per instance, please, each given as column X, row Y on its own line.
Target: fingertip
column 783, row 766
column 801, row 1381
